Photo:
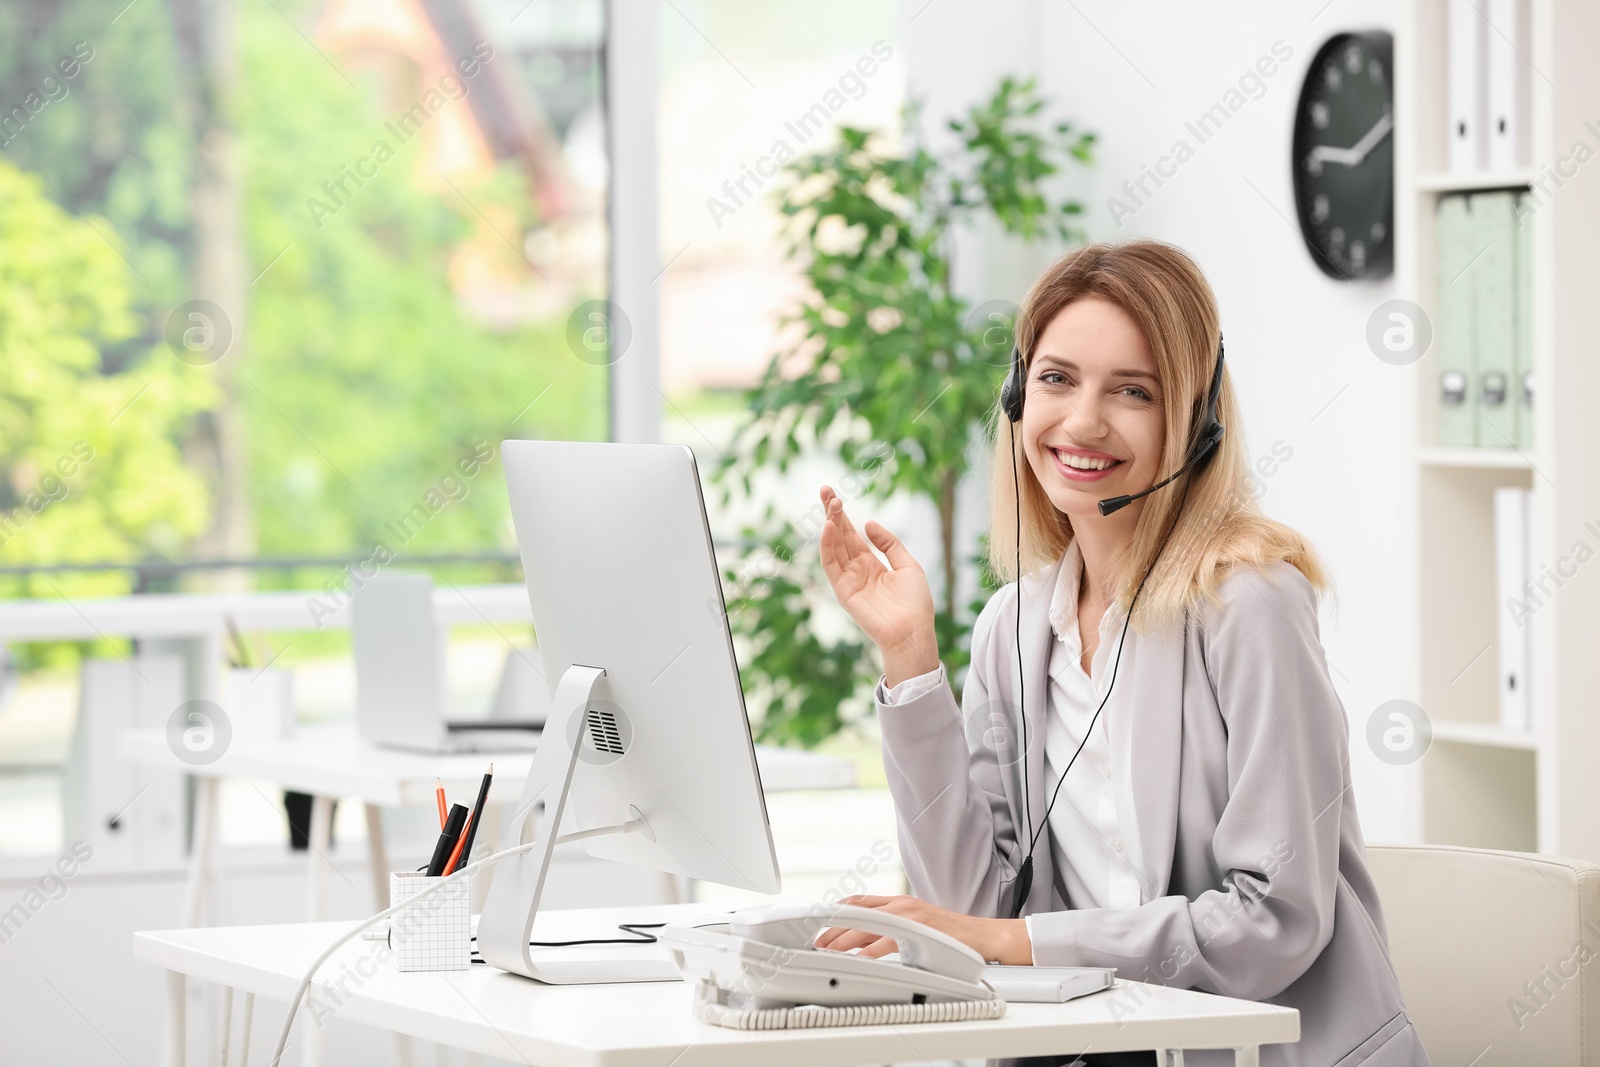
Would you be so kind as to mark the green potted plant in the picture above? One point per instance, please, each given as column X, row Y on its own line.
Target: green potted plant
column 889, row 369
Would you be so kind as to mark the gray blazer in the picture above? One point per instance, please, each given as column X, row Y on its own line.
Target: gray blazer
column 1256, row 878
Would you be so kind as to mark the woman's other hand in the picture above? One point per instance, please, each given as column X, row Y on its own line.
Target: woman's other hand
column 996, row 940
column 893, row 605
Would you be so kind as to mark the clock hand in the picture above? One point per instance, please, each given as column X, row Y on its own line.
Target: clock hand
column 1370, row 141
column 1357, row 152
column 1324, row 153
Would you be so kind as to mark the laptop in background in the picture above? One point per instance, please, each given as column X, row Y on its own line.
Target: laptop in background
column 402, row 686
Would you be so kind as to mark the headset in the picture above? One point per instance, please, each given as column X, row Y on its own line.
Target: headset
column 1201, row 448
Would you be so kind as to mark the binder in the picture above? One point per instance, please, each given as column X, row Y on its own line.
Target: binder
column 1522, row 308
column 100, row 785
column 1467, row 104
column 1455, row 422
column 1493, row 278
column 1508, row 119
column 1530, row 690
column 1512, row 546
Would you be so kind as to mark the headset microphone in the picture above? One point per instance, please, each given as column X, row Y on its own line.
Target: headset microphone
column 1197, row 455
column 1201, row 449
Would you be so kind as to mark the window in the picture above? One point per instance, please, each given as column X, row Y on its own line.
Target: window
column 743, row 88
column 292, row 269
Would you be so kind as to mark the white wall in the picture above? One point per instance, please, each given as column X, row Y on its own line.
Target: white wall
column 1135, row 74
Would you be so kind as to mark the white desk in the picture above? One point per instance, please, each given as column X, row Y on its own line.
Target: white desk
column 196, row 615
column 329, row 761
column 650, row 1024
column 199, row 622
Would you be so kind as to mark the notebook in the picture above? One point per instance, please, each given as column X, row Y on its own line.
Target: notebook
column 1047, row 985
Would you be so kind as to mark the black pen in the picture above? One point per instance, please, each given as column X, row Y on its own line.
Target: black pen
column 477, row 817
column 447, row 839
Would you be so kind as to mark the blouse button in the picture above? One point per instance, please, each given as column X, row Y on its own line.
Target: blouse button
column 1116, row 843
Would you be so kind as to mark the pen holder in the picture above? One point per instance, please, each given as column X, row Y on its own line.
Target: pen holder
column 434, row 934
column 261, row 703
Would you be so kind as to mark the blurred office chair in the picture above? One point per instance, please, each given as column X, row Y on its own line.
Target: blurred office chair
column 1498, row 953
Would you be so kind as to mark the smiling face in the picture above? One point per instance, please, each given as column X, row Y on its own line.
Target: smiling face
column 1093, row 422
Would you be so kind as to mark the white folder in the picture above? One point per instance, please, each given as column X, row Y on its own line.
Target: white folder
column 1515, row 619
column 1508, row 87
column 1467, row 103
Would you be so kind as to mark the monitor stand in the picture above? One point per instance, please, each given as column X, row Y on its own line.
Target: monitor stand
column 506, row 925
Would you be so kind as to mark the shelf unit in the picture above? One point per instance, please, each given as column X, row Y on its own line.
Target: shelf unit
column 1482, row 458
column 1446, row 182
column 1479, row 784
column 1471, row 733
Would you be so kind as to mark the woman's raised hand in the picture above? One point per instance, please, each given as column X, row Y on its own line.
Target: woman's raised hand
column 893, row 605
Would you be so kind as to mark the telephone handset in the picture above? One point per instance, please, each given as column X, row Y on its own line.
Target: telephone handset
column 797, row 926
column 764, row 957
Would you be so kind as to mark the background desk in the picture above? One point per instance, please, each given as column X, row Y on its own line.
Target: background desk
column 330, row 761
column 650, row 1024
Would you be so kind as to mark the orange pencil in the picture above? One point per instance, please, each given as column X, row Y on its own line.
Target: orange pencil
column 439, row 793
column 455, row 853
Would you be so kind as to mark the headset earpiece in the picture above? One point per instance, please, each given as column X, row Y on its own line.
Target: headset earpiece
column 1210, row 431
column 1012, row 391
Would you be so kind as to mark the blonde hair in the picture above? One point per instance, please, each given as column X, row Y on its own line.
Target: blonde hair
column 1221, row 526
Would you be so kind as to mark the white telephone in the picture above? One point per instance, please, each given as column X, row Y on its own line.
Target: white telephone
column 757, row 967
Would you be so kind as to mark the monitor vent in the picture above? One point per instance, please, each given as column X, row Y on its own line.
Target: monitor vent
column 604, row 734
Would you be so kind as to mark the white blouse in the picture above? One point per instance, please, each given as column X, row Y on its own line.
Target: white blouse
column 1094, row 836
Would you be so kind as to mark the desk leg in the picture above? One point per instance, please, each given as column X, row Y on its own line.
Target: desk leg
column 310, row 1046
column 194, row 894
column 320, row 840
column 317, row 858
column 1247, row 1056
column 244, row 1033
column 177, row 1022
column 205, row 832
column 378, row 857
column 1172, row 1057
column 227, row 1023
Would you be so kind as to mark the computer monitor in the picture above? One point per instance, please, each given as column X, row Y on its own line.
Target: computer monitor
column 402, row 690
column 647, row 750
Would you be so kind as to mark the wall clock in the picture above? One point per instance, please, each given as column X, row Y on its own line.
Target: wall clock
column 1343, row 156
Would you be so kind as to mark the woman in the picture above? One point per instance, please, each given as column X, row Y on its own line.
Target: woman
column 1206, row 836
